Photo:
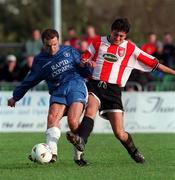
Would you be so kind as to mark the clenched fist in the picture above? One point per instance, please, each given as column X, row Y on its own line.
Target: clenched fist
column 11, row 102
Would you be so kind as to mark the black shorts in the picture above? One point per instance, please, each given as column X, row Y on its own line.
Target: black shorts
column 108, row 94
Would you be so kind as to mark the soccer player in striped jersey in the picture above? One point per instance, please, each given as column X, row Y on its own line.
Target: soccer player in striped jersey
column 59, row 66
column 113, row 58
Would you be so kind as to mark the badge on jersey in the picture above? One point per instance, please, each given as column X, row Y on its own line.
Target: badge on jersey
column 66, row 54
column 110, row 57
column 121, row 51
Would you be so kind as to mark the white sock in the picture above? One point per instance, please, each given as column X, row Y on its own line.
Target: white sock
column 52, row 136
column 77, row 154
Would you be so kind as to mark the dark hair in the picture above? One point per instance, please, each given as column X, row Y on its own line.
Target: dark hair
column 121, row 24
column 49, row 34
column 167, row 33
column 151, row 33
column 71, row 28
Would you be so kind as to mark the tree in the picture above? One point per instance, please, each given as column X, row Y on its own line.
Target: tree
column 19, row 17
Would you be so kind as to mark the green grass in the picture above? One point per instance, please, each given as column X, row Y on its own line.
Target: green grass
column 109, row 160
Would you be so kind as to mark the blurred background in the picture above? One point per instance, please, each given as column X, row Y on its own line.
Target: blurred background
column 19, row 17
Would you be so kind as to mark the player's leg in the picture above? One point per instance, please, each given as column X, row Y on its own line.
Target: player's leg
column 74, row 114
column 53, row 133
column 91, row 110
column 87, row 123
column 85, row 128
column 116, row 120
column 75, row 138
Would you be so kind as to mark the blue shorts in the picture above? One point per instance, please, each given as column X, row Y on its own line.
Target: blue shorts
column 73, row 91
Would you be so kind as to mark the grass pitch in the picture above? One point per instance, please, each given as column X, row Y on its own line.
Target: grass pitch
column 109, row 160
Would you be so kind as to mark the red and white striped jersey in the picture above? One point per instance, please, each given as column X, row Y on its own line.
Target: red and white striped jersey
column 114, row 63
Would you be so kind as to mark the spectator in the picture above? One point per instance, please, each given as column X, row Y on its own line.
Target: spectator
column 90, row 34
column 168, row 55
column 150, row 46
column 158, row 75
column 168, row 50
column 159, row 51
column 10, row 71
column 83, row 46
column 34, row 44
column 66, row 42
column 26, row 68
column 72, row 37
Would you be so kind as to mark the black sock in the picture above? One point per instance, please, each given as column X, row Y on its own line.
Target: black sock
column 85, row 128
column 129, row 145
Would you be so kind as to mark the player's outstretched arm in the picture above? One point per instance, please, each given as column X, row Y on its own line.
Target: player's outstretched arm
column 11, row 102
column 166, row 69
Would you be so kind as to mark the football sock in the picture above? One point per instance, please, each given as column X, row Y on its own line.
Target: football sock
column 52, row 136
column 85, row 128
column 77, row 154
column 129, row 145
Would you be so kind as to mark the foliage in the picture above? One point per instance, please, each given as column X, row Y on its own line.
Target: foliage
column 19, row 17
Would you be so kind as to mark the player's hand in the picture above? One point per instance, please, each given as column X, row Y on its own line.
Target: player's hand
column 11, row 102
column 91, row 64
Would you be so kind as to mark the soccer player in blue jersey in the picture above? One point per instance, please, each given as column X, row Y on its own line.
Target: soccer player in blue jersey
column 59, row 66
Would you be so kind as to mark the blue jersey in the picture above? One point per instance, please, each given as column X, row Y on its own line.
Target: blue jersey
column 54, row 69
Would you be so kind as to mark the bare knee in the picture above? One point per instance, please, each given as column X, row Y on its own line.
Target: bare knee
column 73, row 124
column 91, row 112
column 52, row 120
column 55, row 114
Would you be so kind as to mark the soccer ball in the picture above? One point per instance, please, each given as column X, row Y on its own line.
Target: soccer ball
column 41, row 153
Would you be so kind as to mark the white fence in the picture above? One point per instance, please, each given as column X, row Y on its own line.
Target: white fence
column 144, row 112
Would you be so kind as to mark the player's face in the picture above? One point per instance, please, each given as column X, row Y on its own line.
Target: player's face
column 51, row 46
column 117, row 37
